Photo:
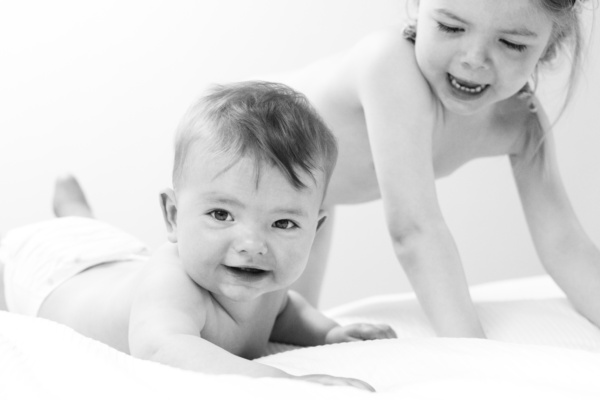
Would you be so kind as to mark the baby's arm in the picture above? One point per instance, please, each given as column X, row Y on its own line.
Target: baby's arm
column 301, row 324
column 402, row 116
column 168, row 315
column 564, row 248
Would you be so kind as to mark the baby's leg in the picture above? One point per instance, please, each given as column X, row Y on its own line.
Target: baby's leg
column 69, row 199
column 2, row 299
column 310, row 282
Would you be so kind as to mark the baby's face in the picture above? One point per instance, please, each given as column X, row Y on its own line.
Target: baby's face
column 240, row 237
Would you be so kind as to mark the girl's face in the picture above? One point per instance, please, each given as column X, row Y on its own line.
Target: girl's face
column 475, row 53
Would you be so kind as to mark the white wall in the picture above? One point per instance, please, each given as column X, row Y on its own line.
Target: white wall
column 97, row 88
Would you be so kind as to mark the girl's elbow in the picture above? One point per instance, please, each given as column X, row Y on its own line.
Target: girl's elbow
column 411, row 244
column 404, row 235
column 405, row 242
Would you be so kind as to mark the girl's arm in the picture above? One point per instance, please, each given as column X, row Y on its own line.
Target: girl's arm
column 301, row 324
column 401, row 116
column 565, row 250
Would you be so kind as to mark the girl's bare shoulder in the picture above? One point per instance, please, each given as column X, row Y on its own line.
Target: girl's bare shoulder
column 512, row 118
column 385, row 49
column 385, row 64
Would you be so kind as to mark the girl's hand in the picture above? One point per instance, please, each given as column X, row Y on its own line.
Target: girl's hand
column 358, row 332
column 330, row 380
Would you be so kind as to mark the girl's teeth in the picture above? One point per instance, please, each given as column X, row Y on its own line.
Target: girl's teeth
column 458, row 86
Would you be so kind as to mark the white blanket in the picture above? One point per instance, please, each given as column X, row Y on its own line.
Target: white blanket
column 540, row 348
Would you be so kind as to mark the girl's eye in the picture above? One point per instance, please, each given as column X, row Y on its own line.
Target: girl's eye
column 448, row 29
column 221, row 215
column 284, row 224
column 514, row 46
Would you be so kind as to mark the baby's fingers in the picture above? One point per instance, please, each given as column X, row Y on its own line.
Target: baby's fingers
column 386, row 331
column 330, row 380
column 370, row 331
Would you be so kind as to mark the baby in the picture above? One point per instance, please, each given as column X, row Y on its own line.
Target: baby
column 252, row 165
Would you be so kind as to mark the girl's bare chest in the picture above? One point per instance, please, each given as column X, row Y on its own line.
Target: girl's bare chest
column 453, row 144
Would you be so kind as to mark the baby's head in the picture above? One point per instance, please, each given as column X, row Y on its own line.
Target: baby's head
column 252, row 164
column 268, row 122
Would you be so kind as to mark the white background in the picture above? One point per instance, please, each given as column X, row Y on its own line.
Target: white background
column 97, row 88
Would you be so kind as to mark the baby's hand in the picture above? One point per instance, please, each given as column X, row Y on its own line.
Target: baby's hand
column 330, row 380
column 357, row 332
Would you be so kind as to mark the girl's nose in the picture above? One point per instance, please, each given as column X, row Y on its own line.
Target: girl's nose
column 474, row 56
column 251, row 243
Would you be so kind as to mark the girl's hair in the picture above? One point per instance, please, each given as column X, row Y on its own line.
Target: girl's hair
column 566, row 38
column 269, row 122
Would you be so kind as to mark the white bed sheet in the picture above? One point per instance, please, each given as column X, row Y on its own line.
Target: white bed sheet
column 525, row 311
column 43, row 360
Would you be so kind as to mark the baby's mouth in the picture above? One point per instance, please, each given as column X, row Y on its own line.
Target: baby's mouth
column 245, row 270
column 466, row 87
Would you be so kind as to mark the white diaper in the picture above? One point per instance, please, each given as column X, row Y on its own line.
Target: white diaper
column 38, row 258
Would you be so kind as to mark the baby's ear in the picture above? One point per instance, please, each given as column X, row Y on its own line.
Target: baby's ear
column 168, row 205
column 322, row 219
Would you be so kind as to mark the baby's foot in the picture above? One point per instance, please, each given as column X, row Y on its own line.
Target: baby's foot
column 69, row 199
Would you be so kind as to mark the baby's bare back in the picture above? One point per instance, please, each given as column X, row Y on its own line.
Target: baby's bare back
column 96, row 302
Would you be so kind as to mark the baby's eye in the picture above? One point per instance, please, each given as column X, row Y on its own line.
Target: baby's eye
column 221, row 215
column 284, row 224
column 514, row 46
column 448, row 29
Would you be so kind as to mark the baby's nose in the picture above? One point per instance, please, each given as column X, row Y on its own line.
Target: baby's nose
column 251, row 243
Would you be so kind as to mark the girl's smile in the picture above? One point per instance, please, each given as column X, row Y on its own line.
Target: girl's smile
column 475, row 53
column 466, row 90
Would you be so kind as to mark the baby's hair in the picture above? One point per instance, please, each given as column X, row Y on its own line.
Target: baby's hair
column 566, row 37
column 269, row 122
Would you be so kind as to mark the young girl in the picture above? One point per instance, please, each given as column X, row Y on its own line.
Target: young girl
column 412, row 105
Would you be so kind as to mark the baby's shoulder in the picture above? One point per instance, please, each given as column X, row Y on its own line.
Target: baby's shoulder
column 164, row 280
